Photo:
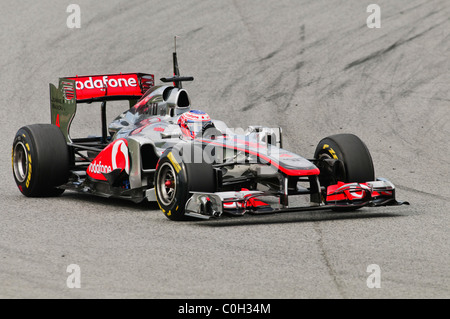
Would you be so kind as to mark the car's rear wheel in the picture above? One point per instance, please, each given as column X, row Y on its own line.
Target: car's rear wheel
column 40, row 160
column 175, row 179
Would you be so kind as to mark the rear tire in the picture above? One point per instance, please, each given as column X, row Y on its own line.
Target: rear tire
column 40, row 160
column 175, row 179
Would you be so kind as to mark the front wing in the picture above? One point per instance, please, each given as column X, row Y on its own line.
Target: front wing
column 342, row 196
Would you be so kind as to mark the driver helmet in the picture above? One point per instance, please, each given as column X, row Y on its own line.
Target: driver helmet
column 194, row 122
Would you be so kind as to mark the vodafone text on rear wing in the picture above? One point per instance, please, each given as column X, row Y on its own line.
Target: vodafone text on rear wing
column 94, row 88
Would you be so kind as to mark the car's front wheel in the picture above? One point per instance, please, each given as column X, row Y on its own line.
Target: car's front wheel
column 175, row 179
column 351, row 160
column 344, row 158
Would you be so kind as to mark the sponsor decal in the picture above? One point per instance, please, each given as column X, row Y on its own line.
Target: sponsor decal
column 332, row 152
column 98, row 168
column 119, row 156
column 88, row 87
column 114, row 156
column 174, row 162
column 100, row 82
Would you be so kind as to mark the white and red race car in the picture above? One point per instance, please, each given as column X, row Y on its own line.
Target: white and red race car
column 159, row 149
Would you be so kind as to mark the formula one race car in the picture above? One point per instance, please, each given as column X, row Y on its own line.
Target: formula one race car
column 161, row 150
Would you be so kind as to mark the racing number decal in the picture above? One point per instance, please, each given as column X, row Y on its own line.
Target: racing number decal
column 330, row 150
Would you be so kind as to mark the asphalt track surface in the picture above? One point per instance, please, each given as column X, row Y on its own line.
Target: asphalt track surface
column 312, row 67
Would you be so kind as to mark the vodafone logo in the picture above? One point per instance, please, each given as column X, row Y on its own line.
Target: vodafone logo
column 120, row 84
column 98, row 168
column 105, row 81
column 114, row 156
column 119, row 156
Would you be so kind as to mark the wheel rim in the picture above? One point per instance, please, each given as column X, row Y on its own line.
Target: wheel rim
column 20, row 162
column 335, row 176
column 167, row 185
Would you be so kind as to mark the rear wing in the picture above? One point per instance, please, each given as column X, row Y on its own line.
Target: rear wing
column 94, row 88
column 123, row 86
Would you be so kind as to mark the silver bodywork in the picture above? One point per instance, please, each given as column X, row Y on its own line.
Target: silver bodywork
column 252, row 158
column 153, row 127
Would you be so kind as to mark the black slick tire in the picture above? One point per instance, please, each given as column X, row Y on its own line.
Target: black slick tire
column 353, row 155
column 352, row 162
column 175, row 179
column 40, row 160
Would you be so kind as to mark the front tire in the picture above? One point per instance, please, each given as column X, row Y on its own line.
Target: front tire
column 354, row 160
column 40, row 160
column 175, row 179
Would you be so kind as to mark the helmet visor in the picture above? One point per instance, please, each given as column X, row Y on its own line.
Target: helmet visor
column 197, row 127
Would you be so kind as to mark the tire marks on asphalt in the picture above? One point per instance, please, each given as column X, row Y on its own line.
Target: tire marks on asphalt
column 380, row 53
column 326, row 260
